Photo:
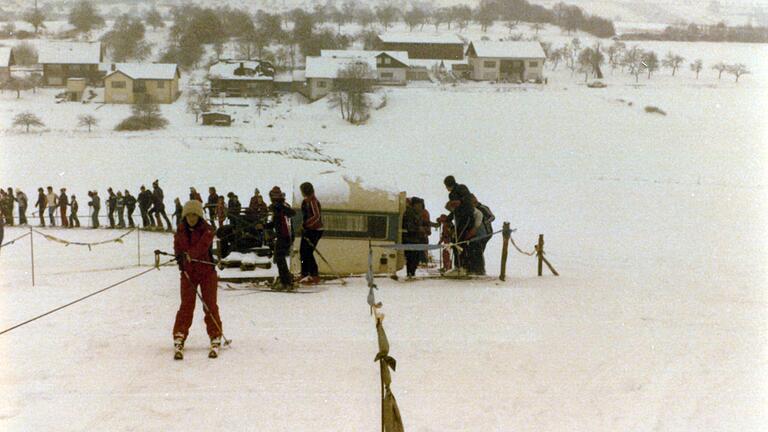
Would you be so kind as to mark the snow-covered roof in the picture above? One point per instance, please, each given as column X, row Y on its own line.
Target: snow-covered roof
column 157, row 71
column 255, row 70
column 336, row 191
column 288, row 76
column 69, row 53
column 401, row 56
column 507, row 49
column 421, row 38
column 329, row 67
column 5, row 56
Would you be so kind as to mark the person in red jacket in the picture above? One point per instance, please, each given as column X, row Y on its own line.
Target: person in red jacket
column 312, row 230
column 192, row 241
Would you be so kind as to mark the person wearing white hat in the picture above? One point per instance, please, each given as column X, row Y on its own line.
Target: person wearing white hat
column 192, row 247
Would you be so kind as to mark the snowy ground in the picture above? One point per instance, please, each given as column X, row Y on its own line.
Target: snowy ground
column 656, row 223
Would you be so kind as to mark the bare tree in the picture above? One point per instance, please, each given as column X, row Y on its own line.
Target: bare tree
column 27, row 120
column 720, row 68
column 18, row 85
column 87, row 120
column 697, row 66
column 198, row 102
column 651, row 62
column 673, row 61
column 350, row 93
column 633, row 60
column 737, row 70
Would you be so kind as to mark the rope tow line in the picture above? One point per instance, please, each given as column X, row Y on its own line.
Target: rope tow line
column 156, row 267
column 88, row 245
column 14, row 240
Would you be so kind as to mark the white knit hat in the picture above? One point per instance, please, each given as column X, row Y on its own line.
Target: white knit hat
column 193, row 207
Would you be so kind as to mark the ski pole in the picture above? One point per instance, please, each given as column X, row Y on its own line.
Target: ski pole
column 314, row 248
column 227, row 342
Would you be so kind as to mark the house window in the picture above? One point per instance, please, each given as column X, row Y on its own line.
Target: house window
column 533, row 64
column 139, row 87
column 321, row 84
column 160, row 84
column 118, row 84
column 387, row 75
column 489, row 64
column 387, row 60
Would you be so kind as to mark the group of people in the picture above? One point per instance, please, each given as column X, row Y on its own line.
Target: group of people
column 192, row 247
column 468, row 225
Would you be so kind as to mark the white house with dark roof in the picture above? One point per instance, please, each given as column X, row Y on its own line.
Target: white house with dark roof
column 506, row 60
column 64, row 60
column 391, row 66
column 6, row 61
column 242, row 77
column 131, row 82
column 322, row 73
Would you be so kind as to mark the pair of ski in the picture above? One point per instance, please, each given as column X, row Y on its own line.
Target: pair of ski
column 178, row 350
column 275, row 288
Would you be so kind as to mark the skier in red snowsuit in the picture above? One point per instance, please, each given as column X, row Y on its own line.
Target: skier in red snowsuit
column 192, row 241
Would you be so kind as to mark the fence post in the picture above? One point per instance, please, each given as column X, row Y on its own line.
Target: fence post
column 138, row 252
column 542, row 259
column 506, row 234
column 32, row 253
column 540, row 252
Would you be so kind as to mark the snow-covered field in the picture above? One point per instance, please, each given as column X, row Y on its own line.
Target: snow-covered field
column 656, row 223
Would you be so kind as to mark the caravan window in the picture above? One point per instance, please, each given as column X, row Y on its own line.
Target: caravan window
column 355, row 225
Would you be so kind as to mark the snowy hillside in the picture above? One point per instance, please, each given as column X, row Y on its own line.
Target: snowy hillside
column 655, row 222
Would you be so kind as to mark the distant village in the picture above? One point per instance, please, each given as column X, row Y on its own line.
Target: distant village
column 397, row 60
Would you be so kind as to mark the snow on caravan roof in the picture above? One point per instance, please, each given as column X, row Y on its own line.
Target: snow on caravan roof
column 329, row 67
column 339, row 192
column 69, row 53
column 421, row 38
column 507, row 49
column 157, row 71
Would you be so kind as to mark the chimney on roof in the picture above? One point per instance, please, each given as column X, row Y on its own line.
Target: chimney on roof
column 113, row 67
column 242, row 65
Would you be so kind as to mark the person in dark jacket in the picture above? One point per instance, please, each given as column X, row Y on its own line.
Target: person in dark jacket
column 178, row 210
column 158, row 206
column 74, row 221
column 195, row 195
column 120, row 206
column 95, row 204
column 111, row 207
column 233, row 208
column 411, row 235
column 312, row 230
column 63, row 207
column 281, row 223
column 193, row 241
column 213, row 201
column 462, row 213
column 130, row 207
column 41, row 203
column 257, row 213
column 21, row 198
column 145, row 202
column 7, row 206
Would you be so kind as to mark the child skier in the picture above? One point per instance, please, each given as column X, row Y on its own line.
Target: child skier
column 281, row 223
column 192, row 242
